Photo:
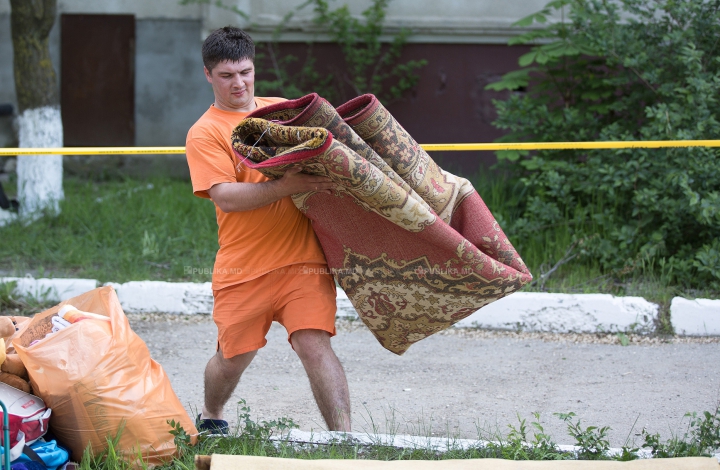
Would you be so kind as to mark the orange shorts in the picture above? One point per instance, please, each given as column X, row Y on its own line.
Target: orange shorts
column 299, row 297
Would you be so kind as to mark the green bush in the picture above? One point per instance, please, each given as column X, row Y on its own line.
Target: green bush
column 621, row 70
column 369, row 65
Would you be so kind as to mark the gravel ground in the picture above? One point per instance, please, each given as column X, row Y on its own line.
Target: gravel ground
column 462, row 381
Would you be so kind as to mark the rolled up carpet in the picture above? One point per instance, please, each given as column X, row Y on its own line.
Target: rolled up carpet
column 373, row 123
column 407, row 272
column 314, row 111
column 368, row 128
column 453, row 198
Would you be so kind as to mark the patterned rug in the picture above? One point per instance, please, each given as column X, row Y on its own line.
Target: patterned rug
column 414, row 247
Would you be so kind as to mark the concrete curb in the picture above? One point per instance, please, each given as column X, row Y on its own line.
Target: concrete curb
column 167, row 297
column 699, row 317
column 51, row 289
column 564, row 313
column 558, row 313
column 523, row 311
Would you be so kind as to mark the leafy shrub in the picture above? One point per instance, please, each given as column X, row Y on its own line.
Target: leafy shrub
column 592, row 441
column 701, row 438
column 370, row 66
column 621, row 70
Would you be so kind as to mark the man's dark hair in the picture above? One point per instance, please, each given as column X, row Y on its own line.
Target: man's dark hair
column 228, row 43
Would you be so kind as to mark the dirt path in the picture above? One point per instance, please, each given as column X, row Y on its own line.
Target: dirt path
column 451, row 384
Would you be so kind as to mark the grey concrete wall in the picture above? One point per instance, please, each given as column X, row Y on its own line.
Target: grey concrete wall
column 170, row 88
column 448, row 21
column 171, row 92
column 433, row 22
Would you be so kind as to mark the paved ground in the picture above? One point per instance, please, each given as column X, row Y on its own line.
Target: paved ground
column 457, row 383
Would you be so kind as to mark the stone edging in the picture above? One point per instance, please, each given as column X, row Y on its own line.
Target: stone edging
column 526, row 311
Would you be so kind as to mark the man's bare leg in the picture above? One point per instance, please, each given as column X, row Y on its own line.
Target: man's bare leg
column 221, row 377
column 327, row 377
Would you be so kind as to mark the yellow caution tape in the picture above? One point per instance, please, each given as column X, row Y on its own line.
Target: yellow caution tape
column 631, row 144
column 91, row 150
column 628, row 144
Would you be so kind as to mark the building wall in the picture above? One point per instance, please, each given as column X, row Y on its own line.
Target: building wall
column 450, row 103
column 456, row 21
column 448, row 21
column 463, row 41
column 171, row 91
column 169, row 9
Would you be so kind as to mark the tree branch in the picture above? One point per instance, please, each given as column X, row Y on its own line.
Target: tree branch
column 568, row 256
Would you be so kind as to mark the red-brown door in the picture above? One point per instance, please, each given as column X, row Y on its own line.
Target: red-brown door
column 97, row 78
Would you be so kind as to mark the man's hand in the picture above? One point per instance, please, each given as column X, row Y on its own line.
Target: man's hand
column 293, row 182
column 238, row 197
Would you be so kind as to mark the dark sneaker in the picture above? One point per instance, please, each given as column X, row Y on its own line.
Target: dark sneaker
column 212, row 427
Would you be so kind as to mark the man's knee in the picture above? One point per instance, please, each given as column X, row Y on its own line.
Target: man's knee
column 311, row 344
column 236, row 364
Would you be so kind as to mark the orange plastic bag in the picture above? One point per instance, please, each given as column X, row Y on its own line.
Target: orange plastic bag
column 98, row 377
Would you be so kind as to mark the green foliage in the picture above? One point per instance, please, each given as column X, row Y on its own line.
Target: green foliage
column 182, row 440
column 370, row 67
column 266, row 439
column 8, row 296
column 112, row 457
column 624, row 70
column 627, row 454
column 263, row 429
column 701, row 438
column 270, row 61
column 290, row 79
column 12, row 303
column 593, row 441
column 517, row 446
column 117, row 231
column 100, row 234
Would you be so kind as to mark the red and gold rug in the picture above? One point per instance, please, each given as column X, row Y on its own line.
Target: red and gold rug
column 414, row 247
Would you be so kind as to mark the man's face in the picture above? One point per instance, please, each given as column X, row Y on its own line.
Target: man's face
column 233, row 84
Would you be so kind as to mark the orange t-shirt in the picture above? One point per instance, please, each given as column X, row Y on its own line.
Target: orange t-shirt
column 253, row 242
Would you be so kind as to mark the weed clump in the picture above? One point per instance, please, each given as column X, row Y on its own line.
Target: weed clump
column 702, row 437
column 523, row 442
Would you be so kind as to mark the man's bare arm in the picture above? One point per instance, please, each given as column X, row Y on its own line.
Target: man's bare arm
column 238, row 197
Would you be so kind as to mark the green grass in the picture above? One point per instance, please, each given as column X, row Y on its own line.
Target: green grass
column 14, row 304
column 150, row 229
column 156, row 229
column 524, row 441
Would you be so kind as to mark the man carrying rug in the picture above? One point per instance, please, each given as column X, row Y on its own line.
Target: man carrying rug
column 270, row 266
